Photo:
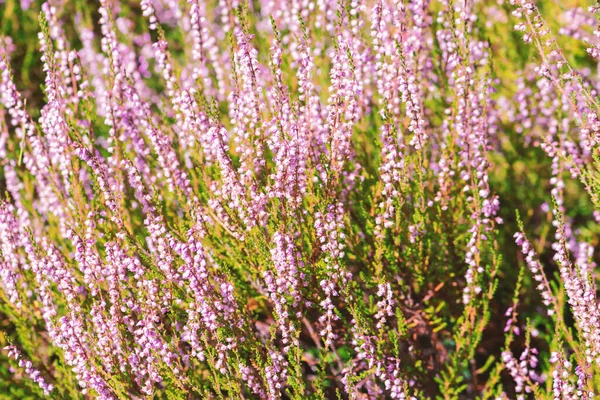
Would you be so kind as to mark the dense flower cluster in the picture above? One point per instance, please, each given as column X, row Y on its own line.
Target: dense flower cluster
column 272, row 199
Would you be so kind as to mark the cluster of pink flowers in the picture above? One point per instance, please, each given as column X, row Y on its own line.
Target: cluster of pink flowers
column 31, row 372
column 270, row 199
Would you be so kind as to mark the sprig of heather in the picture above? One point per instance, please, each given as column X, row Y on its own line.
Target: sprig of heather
column 288, row 140
column 370, row 360
column 284, row 287
column 409, row 91
column 592, row 40
column 537, row 270
column 329, row 227
column 393, row 165
column 581, row 297
column 246, row 106
column 9, row 257
column 37, row 161
column 205, row 51
column 561, row 385
column 71, row 338
column 557, row 68
column 343, row 112
column 34, row 374
column 522, row 371
column 106, row 184
column 473, row 140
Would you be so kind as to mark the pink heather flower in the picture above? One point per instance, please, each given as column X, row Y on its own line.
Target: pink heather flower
column 276, row 375
column 343, row 110
column 386, row 369
column 70, row 337
column 106, row 183
column 409, row 90
column 246, row 106
column 30, row 371
column 523, row 370
column 385, row 307
column 330, row 235
column 205, row 50
column 148, row 11
column 283, row 287
column 247, row 203
column 558, row 70
column 395, row 385
column 88, row 260
column 561, row 385
column 537, row 270
column 581, row 294
column 249, row 377
column 392, row 172
column 10, row 260
column 37, row 161
column 175, row 175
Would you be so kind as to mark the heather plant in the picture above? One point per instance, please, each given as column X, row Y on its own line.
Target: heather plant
column 314, row 199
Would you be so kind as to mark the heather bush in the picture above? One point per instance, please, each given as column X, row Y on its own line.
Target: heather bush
column 323, row 199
